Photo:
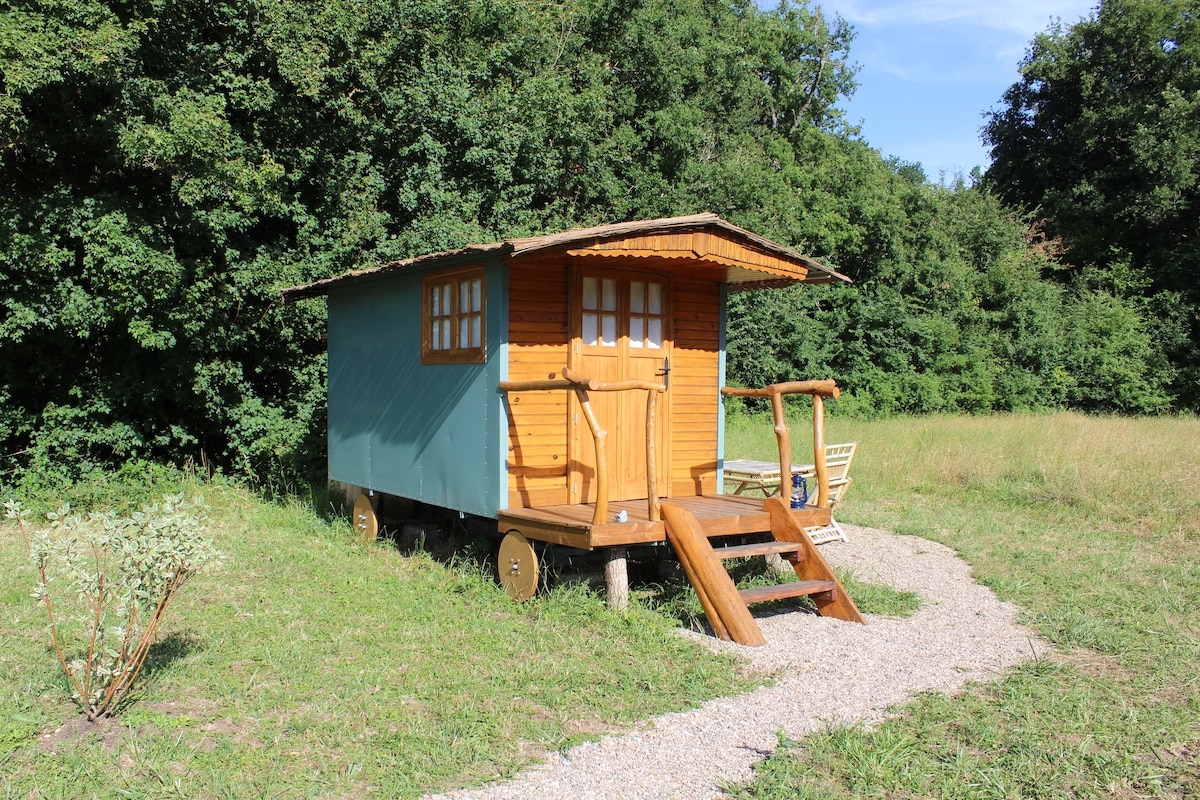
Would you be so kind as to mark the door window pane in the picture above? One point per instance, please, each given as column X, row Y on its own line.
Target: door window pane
column 655, row 337
column 610, row 295
column 636, row 331
column 609, row 326
column 656, row 298
column 599, row 329
column 591, row 298
column 591, row 328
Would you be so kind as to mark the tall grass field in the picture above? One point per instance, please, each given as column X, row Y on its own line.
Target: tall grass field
column 310, row 666
column 1090, row 524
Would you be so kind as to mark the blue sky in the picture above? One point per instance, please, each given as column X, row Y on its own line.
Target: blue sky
column 929, row 69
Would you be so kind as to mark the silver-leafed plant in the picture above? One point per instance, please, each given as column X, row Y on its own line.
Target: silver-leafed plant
column 106, row 582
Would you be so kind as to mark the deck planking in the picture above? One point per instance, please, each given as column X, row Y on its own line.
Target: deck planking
column 571, row 525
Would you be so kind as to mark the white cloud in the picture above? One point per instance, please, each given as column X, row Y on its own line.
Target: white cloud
column 931, row 67
column 1018, row 16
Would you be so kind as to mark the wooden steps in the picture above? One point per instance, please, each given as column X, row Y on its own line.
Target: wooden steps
column 756, row 549
column 725, row 606
column 765, row 594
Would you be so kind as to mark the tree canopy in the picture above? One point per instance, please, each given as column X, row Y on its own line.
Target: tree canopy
column 1101, row 137
column 170, row 164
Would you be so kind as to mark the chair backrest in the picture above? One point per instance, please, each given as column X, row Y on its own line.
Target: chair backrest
column 837, row 459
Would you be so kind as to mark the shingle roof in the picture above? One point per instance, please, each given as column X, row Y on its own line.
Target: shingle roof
column 582, row 237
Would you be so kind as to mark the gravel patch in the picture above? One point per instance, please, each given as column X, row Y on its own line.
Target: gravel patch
column 828, row 671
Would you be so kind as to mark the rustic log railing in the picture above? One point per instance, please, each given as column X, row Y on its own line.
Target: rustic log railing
column 573, row 381
column 819, row 391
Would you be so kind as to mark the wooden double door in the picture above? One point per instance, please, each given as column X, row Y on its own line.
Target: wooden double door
column 620, row 330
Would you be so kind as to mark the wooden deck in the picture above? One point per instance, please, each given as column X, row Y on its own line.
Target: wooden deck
column 571, row 525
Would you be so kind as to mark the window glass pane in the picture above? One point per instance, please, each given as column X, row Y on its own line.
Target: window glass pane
column 637, row 297
column 445, row 332
column 476, row 331
column 590, row 298
column 436, row 338
column 446, row 300
column 464, row 297
column 636, row 331
column 435, row 301
column 656, row 333
column 463, row 325
column 610, row 295
column 477, row 295
column 656, row 298
column 609, row 324
column 590, row 322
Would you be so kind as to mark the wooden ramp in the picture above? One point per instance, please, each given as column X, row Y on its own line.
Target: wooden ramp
column 725, row 605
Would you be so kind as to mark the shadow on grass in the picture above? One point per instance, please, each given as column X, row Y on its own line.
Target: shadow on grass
column 167, row 650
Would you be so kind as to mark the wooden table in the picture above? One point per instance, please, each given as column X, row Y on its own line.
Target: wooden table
column 749, row 475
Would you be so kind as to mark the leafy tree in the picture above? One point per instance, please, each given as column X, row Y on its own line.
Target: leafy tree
column 170, row 164
column 1101, row 136
column 950, row 312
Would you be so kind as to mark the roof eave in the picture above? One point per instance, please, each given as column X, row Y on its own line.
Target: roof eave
column 448, row 257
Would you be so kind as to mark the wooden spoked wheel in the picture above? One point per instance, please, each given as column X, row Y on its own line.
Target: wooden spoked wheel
column 366, row 524
column 518, row 567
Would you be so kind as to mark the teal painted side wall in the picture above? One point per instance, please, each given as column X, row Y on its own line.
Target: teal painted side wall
column 433, row 432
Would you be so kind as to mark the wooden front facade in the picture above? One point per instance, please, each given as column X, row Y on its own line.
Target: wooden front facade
column 550, row 453
column 423, row 355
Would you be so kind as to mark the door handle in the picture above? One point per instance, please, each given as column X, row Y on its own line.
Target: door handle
column 665, row 372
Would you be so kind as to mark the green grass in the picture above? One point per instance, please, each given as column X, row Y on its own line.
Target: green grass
column 310, row 667
column 1091, row 524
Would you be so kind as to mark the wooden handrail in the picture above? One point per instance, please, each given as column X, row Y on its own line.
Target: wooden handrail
column 819, row 391
column 581, row 385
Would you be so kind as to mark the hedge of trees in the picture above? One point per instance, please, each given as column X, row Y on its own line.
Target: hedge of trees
column 171, row 164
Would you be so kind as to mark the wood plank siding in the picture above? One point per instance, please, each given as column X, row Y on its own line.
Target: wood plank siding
column 693, row 246
column 538, row 429
column 537, row 421
column 694, row 389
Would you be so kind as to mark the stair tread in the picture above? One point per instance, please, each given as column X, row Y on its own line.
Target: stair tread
column 762, row 594
column 757, row 549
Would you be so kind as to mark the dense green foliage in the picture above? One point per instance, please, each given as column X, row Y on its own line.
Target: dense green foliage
column 1101, row 137
column 950, row 312
column 169, row 165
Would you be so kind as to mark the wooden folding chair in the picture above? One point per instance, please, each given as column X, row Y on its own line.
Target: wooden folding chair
column 837, row 459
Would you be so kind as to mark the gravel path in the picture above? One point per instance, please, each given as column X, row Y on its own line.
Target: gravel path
column 829, row 670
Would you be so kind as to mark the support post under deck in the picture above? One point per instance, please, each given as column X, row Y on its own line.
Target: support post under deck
column 616, row 577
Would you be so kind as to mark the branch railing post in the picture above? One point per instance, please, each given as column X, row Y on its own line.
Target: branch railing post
column 819, row 390
column 573, row 381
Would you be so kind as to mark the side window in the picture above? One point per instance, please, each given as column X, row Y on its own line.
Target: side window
column 453, row 317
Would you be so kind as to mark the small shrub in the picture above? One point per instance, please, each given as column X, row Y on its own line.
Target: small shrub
column 15, row 513
column 121, row 574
